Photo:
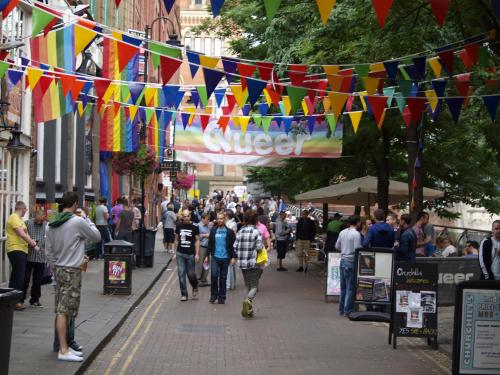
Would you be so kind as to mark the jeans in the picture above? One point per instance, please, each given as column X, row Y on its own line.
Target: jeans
column 218, row 272
column 70, row 335
column 18, row 262
column 346, row 286
column 105, row 236
column 185, row 265
column 231, row 277
column 36, row 284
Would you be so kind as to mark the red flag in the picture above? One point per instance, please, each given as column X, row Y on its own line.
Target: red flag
column 382, row 8
column 274, row 94
column 204, row 119
column 169, row 67
column 223, row 121
column 297, row 74
column 416, row 107
column 446, row 58
column 77, row 87
column 117, row 2
column 231, row 102
column 117, row 107
column 472, row 50
column 377, row 105
column 245, row 70
column 44, row 83
column 407, row 116
column 464, row 56
column 125, row 53
column 266, row 70
column 8, row 8
column 101, row 86
column 440, row 9
column 67, row 82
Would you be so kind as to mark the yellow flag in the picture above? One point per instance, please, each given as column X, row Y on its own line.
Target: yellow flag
column 209, row 109
column 331, row 69
column 132, row 110
column 117, row 35
column 377, row 67
column 52, row 48
column 371, row 85
column 240, row 95
column 268, row 97
column 436, row 66
column 80, row 108
column 209, row 62
column 326, row 103
column 337, row 101
column 325, row 8
column 355, row 119
column 236, row 121
column 34, row 76
column 244, row 123
column 191, row 110
column 149, row 95
column 432, row 98
column 83, row 37
column 304, row 107
column 287, row 104
column 362, row 95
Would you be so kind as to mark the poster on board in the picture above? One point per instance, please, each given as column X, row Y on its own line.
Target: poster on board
column 333, row 275
column 480, row 331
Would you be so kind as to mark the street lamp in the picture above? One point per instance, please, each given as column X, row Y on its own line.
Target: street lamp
column 15, row 146
column 173, row 40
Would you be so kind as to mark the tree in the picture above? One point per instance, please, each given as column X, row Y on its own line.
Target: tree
column 352, row 36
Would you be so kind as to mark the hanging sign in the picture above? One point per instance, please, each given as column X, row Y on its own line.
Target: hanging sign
column 252, row 145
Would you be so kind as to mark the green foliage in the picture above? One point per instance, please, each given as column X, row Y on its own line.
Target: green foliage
column 462, row 159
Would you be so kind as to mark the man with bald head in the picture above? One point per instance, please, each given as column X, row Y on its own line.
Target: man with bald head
column 187, row 246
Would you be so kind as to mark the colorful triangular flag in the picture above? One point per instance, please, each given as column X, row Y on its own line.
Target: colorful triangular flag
column 491, row 103
column 455, row 106
column 355, row 119
column 440, row 9
column 271, row 8
column 382, row 8
column 325, row 7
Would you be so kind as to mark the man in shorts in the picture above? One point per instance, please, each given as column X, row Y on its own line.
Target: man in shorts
column 65, row 250
column 306, row 232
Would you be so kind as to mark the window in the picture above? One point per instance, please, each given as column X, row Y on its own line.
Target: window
column 218, row 170
column 208, row 46
column 198, row 2
column 197, row 44
column 218, row 47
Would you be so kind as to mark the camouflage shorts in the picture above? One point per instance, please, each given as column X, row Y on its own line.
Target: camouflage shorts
column 68, row 286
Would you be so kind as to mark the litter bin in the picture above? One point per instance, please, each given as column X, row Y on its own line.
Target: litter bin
column 149, row 250
column 118, row 264
column 8, row 298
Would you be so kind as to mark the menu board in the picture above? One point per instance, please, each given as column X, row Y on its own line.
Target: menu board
column 373, row 282
column 333, row 275
column 477, row 330
column 415, row 300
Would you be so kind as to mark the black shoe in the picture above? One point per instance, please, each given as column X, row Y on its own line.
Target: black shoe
column 300, row 269
column 222, row 302
column 202, row 284
column 281, row 269
column 211, row 300
column 36, row 304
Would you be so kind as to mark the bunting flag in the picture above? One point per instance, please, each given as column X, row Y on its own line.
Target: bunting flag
column 311, row 121
column 230, row 68
column 117, row 3
column 212, row 79
column 194, row 62
column 202, row 94
column 244, row 120
column 446, row 58
column 325, row 7
column 204, row 119
column 3, row 68
column 239, row 94
column 432, row 99
column 435, row 66
column 439, row 85
column 159, row 50
column 14, row 76
column 257, row 119
column 296, row 94
column 40, row 19
column 440, row 9
column 382, row 8
column 216, row 6
column 246, row 70
column 125, row 53
column 391, row 67
column 266, row 123
column 337, row 101
column 208, row 61
column 223, row 122
column 455, row 106
column 83, row 37
column 169, row 4
column 495, row 4
column 287, row 123
column 135, row 89
column 34, row 76
column 331, row 122
column 271, row 8
column 377, row 106
column 355, row 119
column 472, row 50
column 491, row 102
column 169, row 67
column 416, row 107
column 255, row 88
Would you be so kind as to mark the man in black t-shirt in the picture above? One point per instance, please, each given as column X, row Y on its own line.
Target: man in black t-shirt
column 187, row 246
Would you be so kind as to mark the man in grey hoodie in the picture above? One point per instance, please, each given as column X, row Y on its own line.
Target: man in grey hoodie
column 65, row 251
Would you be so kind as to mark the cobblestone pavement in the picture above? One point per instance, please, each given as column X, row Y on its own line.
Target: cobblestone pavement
column 294, row 332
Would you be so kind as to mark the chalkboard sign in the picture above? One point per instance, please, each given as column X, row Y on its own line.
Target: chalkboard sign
column 476, row 333
column 414, row 302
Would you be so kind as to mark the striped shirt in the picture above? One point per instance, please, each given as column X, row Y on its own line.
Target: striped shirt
column 248, row 242
column 37, row 233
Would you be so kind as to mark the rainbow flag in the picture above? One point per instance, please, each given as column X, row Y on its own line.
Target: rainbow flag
column 53, row 103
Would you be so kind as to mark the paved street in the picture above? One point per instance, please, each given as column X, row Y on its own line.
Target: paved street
column 294, row 332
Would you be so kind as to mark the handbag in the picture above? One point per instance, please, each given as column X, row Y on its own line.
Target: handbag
column 262, row 257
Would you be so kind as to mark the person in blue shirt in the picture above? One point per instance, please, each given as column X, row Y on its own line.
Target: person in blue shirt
column 220, row 249
column 380, row 234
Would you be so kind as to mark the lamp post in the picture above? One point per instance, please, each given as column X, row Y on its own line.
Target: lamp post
column 15, row 146
column 173, row 40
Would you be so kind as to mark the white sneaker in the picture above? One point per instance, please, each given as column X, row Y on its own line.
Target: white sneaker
column 69, row 356
column 76, row 352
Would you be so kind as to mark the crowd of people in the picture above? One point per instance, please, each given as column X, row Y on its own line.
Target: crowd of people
column 408, row 242
column 209, row 238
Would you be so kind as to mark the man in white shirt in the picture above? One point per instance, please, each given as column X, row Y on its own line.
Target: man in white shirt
column 489, row 254
column 347, row 243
